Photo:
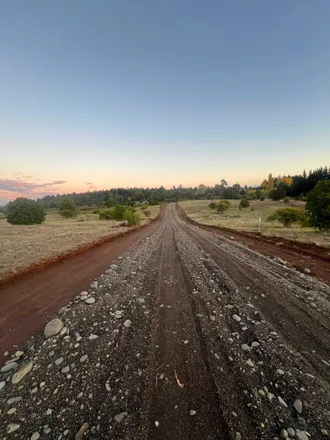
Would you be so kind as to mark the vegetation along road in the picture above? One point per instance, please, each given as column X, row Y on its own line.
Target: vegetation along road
column 188, row 335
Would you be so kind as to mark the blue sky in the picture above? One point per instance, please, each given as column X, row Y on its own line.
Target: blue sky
column 144, row 93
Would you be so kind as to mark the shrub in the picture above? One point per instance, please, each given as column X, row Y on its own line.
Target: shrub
column 96, row 211
column 24, row 211
column 146, row 212
column 212, row 205
column 286, row 200
column 244, row 203
column 318, row 206
column 68, row 208
column 288, row 216
column 132, row 217
column 252, row 208
column 222, row 206
column 118, row 212
column 106, row 214
column 262, row 198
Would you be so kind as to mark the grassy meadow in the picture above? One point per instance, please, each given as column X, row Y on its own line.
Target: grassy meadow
column 247, row 219
column 22, row 246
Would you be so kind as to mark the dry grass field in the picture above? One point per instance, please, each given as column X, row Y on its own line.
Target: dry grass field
column 247, row 219
column 21, row 246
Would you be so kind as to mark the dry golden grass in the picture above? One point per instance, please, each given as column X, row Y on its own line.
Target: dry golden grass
column 247, row 219
column 21, row 246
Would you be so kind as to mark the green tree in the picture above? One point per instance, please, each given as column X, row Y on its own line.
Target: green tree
column 318, row 205
column 288, row 216
column 68, row 208
column 222, row 206
column 244, row 203
column 24, row 211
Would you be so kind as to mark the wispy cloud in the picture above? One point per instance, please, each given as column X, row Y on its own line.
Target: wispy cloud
column 10, row 189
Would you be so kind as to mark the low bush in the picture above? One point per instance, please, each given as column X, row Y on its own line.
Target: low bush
column 222, row 206
column 212, row 205
column 68, row 208
column 244, row 203
column 106, row 214
column 24, row 211
column 286, row 200
column 146, row 212
column 132, row 217
column 288, row 216
column 262, row 198
column 118, row 212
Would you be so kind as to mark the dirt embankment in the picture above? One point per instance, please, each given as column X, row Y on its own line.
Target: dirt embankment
column 189, row 335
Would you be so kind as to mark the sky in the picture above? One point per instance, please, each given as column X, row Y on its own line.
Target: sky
column 97, row 94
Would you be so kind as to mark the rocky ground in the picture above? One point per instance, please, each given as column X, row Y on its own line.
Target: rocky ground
column 189, row 335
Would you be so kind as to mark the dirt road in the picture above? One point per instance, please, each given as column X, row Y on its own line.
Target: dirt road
column 191, row 335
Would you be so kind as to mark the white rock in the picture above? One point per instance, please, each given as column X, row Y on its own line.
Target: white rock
column 237, row 318
column 255, row 344
column 35, row 436
column 192, row 412
column 280, row 372
column 83, row 358
column 9, row 366
column 90, row 300
column 2, row 385
column 92, row 337
column 282, row 402
column 53, row 328
column 119, row 417
column 245, row 347
column 250, row 363
column 19, row 354
column 21, row 373
column 12, row 427
column 127, row 323
column 298, row 406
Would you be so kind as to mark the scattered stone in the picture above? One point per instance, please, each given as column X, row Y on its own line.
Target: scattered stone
column 14, row 400
column 250, row 363
column 324, row 432
column 19, row 354
column 270, row 396
column 92, row 337
column 53, row 328
column 21, row 373
column 90, row 300
column 12, row 427
column 307, row 271
column 302, row 435
column 81, row 432
column 298, row 406
column 119, row 417
column 35, row 436
column 65, row 369
column 262, row 393
column 280, row 372
column 237, row 318
column 2, row 385
column 10, row 366
column 83, row 358
column 11, row 411
column 63, row 331
column 282, row 402
column 127, row 323
column 245, row 347
column 284, row 433
column 192, row 412
column 59, row 361
column 291, row 432
column 255, row 344
column 49, row 412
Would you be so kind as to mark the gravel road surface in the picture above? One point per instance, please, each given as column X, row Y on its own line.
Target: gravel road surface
column 190, row 335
